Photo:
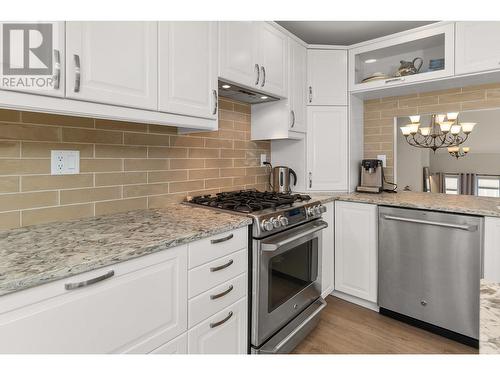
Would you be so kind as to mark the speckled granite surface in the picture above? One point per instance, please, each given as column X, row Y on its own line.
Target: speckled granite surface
column 39, row 254
column 465, row 204
column 489, row 334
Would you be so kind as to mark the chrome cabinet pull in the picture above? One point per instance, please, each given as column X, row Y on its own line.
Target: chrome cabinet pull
column 293, row 118
column 257, row 70
column 77, row 73
column 81, row 284
column 310, row 94
column 216, row 104
column 223, row 239
column 219, row 295
column 470, row 228
column 218, row 268
column 394, row 80
column 263, row 76
column 310, row 180
column 57, row 67
column 216, row 324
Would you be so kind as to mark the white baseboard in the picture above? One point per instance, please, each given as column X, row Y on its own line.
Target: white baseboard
column 358, row 301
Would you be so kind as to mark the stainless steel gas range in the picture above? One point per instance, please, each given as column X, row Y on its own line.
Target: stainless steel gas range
column 285, row 278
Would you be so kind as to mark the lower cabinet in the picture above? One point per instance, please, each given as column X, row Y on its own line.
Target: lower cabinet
column 176, row 346
column 222, row 333
column 356, row 242
column 327, row 252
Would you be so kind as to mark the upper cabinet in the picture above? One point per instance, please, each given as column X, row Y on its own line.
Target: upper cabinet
column 327, row 77
column 254, row 54
column 477, row 46
column 52, row 59
column 187, row 54
column 297, row 82
column 113, row 63
column 409, row 57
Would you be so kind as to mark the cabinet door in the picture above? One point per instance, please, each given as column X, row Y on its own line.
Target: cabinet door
column 273, row 59
column 327, row 77
column 222, row 333
column 188, row 68
column 327, row 148
column 113, row 63
column 477, row 46
column 51, row 57
column 327, row 252
column 175, row 346
column 356, row 249
column 297, row 81
column 238, row 53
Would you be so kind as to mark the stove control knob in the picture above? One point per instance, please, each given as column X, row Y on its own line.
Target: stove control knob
column 276, row 222
column 266, row 225
column 283, row 220
column 317, row 210
column 310, row 211
column 322, row 208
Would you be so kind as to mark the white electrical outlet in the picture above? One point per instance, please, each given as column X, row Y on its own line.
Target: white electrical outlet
column 64, row 162
column 384, row 160
column 263, row 158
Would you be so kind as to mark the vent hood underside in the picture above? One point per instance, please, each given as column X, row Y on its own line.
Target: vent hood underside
column 241, row 94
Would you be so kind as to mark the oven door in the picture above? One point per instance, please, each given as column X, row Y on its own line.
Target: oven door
column 286, row 277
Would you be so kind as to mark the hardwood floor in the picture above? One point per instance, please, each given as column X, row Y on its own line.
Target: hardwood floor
column 346, row 328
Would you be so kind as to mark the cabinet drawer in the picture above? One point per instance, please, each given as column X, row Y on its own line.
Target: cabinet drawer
column 214, row 247
column 216, row 299
column 222, row 333
column 141, row 306
column 218, row 271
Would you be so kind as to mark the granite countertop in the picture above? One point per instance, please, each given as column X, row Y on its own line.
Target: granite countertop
column 464, row 204
column 489, row 335
column 40, row 254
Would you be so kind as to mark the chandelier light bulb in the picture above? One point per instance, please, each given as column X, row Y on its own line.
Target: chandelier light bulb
column 453, row 149
column 405, row 130
column 413, row 128
column 467, row 126
column 455, row 129
column 440, row 118
column 415, row 119
column 466, row 149
column 452, row 116
column 445, row 126
column 425, row 131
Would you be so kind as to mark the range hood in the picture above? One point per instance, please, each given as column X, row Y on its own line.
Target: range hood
column 241, row 94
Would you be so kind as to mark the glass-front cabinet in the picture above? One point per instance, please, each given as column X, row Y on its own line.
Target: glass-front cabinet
column 404, row 59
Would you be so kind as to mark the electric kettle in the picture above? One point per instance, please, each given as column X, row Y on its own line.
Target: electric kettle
column 280, row 179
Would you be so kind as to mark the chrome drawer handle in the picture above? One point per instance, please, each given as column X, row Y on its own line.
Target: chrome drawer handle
column 293, row 118
column 263, row 76
column 57, row 68
column 223, row 239
column 216, row 324
column 310, row 94
column 216, row 102
column 218, row 268
column 470, row 228
column 81, row 284
column 222, row 294
column 257, row 70
column 77, row 73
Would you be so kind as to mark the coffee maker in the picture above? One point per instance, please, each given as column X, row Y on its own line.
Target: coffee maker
column 372, row 176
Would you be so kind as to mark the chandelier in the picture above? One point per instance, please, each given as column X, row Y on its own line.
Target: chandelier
column 444, row 131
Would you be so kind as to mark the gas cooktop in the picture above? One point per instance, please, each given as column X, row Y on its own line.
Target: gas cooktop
column 248, row 201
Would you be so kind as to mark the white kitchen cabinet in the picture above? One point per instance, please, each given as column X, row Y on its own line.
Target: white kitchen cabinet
column 356, row 249
column 285, row 119
column 327, row 157
column 222, row 333
column 477, row 46
column 113, row 63
column 492, row 249
column 327, row 253
column 327, row 77
column 57, row 56
column 175, row 346
column 238, row 54
column 187, row 68
column 141, row 306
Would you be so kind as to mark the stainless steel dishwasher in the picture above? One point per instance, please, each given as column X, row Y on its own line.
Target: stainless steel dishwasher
column 430, row 265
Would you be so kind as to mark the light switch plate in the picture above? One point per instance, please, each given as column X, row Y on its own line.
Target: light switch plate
column 384, row 160
column 64, row 162
column 263, row 158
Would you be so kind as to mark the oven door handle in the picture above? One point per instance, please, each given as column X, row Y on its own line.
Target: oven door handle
column 273, row 246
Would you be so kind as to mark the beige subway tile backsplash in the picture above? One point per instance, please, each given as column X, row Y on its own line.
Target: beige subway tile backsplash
column 124, row 165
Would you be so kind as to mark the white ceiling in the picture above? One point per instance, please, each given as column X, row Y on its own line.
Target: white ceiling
column 346, row 32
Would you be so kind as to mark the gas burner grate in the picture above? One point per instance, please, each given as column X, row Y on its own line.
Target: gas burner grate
column 249, row 200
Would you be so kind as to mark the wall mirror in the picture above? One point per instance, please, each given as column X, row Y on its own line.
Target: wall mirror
column 472, row 168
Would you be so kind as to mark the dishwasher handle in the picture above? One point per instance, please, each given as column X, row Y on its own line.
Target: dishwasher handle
column 470, row 228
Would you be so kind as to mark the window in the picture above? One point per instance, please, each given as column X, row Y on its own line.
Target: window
column 488, row 186
column 451, row 184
